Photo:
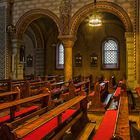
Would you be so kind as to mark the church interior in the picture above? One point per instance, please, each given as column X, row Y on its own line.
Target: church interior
column 70, row 69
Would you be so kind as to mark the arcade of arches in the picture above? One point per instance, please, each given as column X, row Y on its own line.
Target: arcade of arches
column 34, row 30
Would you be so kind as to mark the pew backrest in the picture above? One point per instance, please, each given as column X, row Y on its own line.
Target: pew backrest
column 12, row 105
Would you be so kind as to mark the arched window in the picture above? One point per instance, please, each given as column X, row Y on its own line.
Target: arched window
column 60, row 56
column 110, row 53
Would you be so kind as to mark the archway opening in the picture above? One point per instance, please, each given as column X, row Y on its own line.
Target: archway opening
column 89, row 45
column 40, row 39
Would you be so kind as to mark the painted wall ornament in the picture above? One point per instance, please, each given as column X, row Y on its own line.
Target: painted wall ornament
column 65, row 16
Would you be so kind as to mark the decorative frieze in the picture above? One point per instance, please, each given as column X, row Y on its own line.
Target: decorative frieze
column 65, row 17
column 131, row 64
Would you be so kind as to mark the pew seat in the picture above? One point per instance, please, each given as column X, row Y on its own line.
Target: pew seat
column 77, row 90
column 43, row 130
column 19, row 113
column 91, row 94
column 88, row 130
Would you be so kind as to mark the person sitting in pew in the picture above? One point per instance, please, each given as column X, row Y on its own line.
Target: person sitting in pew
column 113, row 82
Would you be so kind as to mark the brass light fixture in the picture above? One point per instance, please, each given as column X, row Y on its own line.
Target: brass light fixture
column 95, row 19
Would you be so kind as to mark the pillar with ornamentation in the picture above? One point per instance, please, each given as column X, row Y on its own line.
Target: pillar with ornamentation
column 68, row 43
column 17, row 65
column 67, row 39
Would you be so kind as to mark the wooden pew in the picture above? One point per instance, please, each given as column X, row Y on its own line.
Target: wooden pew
column 51, row 77
column 55, row 122
column 27, row 87
column 77, row 79
column 33, row 87
column 90, row 78
column 108, row 125
column 14, row 95
column 5, row 85
column 122, row 130
column 76, row 89
column 83, row 85
column 12, row 105
column 100, row 97
column 57, row 89
column 9, row 85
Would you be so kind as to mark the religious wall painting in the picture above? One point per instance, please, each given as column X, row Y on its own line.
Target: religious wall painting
column 78, row 60
column 93, row 60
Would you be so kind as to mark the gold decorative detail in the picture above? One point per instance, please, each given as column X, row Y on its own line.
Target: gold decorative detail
column 109, row 7
column 30, row 16
column 65, row 16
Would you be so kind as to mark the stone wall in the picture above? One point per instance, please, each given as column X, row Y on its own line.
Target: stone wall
column 89, row 41
column 20, row 6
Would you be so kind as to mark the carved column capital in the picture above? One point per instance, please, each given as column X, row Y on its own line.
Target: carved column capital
column 67, row 40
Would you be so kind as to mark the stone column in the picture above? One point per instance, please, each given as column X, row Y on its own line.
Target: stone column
column 130, row 60
column 68, row 43
column 17, row 66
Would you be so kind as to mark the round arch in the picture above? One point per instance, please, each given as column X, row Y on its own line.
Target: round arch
column 30, row 16
column 109, row 7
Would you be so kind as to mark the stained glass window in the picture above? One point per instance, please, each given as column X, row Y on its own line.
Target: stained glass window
column 60, row 56
column 110, row 54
